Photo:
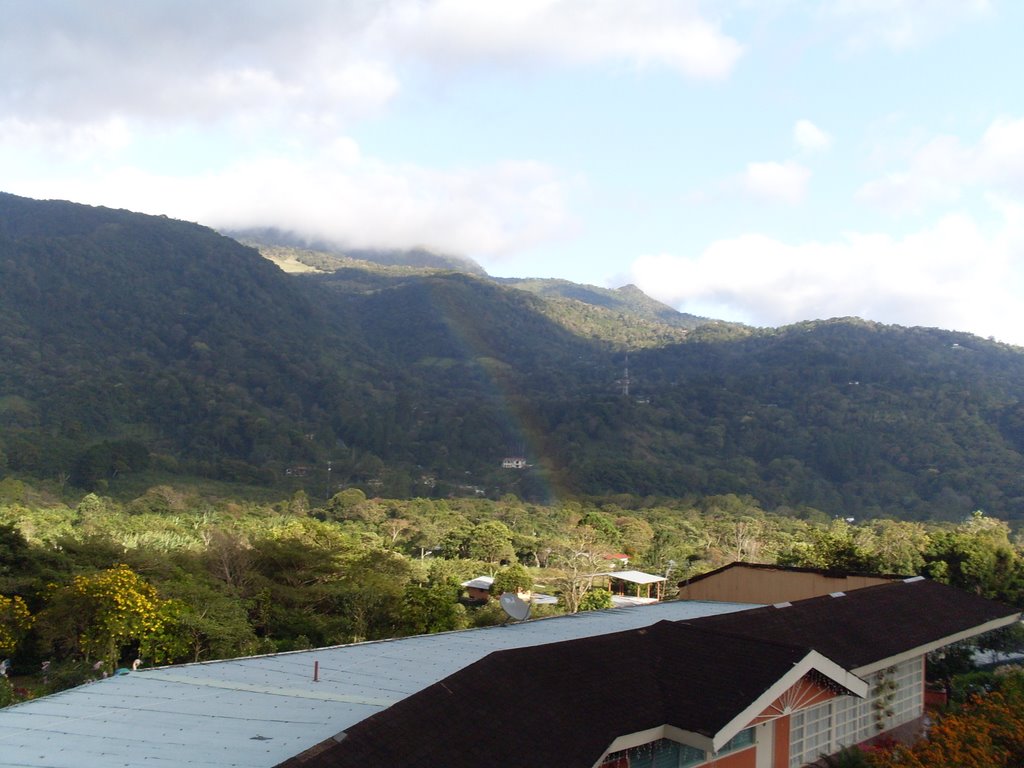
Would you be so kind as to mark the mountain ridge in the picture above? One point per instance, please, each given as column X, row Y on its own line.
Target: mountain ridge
column 133, row 341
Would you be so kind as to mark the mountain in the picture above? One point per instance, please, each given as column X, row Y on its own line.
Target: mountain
column 135, row 344
column 325, row 256
column 625, row 317
column 627, row 301
column 120, row 326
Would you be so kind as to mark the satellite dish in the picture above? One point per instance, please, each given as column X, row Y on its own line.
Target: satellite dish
column 514, row 606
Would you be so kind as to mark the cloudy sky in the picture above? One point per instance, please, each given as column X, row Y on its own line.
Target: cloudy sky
column 765, row 161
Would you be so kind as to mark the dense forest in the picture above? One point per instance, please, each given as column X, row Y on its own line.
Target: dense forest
column 174, row 575
column 137, row 350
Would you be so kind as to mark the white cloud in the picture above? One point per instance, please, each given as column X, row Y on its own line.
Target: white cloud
column 953, row 275
column 324, row 61
column 900, row 24
column 235, row 113
column 940, row 170
column 1000, row 153
column 76, row 142
column 645, row 33
column 776, row 182
column 907, row 193
column 343, row 196
column 809, row 137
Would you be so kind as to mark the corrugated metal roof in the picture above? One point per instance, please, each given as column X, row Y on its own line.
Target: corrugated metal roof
column 637, row 577
column 261, row 710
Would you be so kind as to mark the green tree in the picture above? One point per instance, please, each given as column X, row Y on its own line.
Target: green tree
column 839, row 547
column 603, row 525
column 578, row 557
column 299, row 504
column 491, row 541
column 512, row 578
column 979, row 557
column 433, row 608
column 899, row 546
column 369, row 596
column 635, row 534
column 96, row 615
column 200, row 623
column 344, row 504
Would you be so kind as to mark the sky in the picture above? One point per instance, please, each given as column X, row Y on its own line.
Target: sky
column 761, row 161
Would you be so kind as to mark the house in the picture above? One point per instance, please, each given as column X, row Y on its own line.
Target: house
column 621, row 559
column 771, row 687
column 768, row 584
column 260, row 711
column 513, row 462
column 478, row 590
column 702, row 683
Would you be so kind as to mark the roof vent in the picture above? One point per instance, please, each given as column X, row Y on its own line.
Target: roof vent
column 781, row 605
column 837, row 594
column 912, row 579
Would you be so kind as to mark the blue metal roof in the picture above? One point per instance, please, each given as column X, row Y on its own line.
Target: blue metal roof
column 261, row 710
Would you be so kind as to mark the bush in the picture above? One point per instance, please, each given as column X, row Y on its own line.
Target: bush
column 596, row 599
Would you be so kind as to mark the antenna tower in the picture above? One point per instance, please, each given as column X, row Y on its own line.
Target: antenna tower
column 624, row 381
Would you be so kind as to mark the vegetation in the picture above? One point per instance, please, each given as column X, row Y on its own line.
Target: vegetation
column 138, row 351
column 203, row 457
column 94, row 583
column 987, row 731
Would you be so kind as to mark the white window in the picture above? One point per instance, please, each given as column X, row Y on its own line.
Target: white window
column 896, row 697
column 665, row 753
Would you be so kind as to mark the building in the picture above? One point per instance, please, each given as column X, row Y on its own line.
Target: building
column 478, row 590
column 260, row 711
column 772, row 687
column 620, row 559
column 700, row 683
column 626, row 587
column 768, row 584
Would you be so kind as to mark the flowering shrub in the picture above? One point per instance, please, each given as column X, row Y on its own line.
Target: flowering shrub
column 15, row 621
column 96, row 615
column 986, row 732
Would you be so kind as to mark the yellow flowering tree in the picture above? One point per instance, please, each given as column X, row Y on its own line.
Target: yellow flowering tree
column 15, row 621
column 96, row 615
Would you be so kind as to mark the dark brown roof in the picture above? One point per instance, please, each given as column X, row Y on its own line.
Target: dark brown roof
column 563, row 703
column 833, row 574
column 867, row 625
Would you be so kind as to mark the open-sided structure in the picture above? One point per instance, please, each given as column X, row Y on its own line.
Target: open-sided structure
column 635, row 587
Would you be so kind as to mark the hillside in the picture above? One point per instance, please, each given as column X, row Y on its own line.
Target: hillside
column 133, row 344
column 325, row 256
column 627, row 301
column 625, row 317
column 121, row 327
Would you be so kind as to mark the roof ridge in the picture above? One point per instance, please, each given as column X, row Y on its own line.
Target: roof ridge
column 837, row 573
column 690, row 624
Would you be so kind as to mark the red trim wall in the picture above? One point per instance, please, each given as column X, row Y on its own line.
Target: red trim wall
column 780, row 743
column 744, row 758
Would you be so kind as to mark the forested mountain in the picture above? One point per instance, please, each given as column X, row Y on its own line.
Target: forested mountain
column 327, row 256
column 133, row 343
column 627, row 301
